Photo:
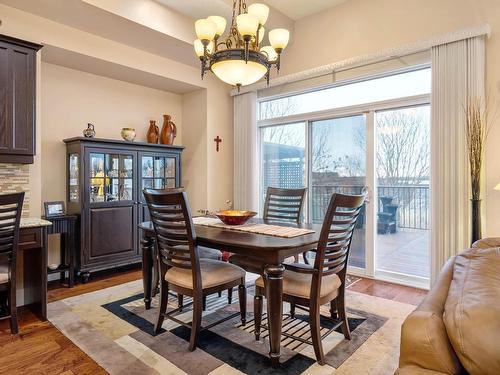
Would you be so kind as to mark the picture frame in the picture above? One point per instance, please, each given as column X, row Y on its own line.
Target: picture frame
column 56, row 208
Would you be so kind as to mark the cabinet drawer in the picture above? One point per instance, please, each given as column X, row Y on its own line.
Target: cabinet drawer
column 30, row 238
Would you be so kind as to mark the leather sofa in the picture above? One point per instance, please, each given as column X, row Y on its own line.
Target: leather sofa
column 456, row 328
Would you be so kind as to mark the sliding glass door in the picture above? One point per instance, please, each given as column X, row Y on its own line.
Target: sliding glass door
column 403, row 191
column 372, row 134
column 338, row 165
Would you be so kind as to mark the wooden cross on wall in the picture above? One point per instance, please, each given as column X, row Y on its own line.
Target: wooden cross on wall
column 217, row 140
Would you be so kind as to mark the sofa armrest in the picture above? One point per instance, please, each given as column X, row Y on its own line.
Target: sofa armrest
column 425, row 344
column 424, row 341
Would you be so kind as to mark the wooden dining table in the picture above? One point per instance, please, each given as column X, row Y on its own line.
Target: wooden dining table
column 271, row 251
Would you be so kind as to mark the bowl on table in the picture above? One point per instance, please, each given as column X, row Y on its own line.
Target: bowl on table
column 234, row 217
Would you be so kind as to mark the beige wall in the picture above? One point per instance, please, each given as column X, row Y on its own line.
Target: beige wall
column 218, row 117
column 359, row 27
column 71, row 99
column 194, row 157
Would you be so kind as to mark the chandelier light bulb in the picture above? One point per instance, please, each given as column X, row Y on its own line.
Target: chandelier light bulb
column 205, row 29
column 220, row 22
column 247, row 24
column 261, row 11
column 279, row 39
column 199, row 50
column 239, row 72
column 270, row 53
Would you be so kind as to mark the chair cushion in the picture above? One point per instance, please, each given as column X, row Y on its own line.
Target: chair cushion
column 213, row 273
column 4, row 271
column 472, row 310
column 207, row 253
column 299, row 284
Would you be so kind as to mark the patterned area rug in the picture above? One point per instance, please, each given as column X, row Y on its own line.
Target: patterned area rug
column 113, row 328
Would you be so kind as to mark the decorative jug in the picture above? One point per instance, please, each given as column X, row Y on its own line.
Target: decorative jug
column 128, row 134
column 89, row 132
column 168, row 131
column 153, row 132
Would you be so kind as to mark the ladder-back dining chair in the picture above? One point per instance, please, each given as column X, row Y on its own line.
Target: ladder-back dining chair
column 313, row 286
column 280, row 206
column 181, row 269
column 10, row 215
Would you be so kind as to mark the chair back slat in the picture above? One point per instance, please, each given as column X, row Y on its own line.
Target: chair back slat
column 11, row 206
column 335, row 240
column 174, row 229
column 284, row 204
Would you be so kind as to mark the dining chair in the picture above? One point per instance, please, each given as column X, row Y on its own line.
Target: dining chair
column 310, row 287
column 10, row 216
column 280, row 206
column 181, row 269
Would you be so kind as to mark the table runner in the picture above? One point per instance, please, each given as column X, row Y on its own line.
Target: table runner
column 267, row 229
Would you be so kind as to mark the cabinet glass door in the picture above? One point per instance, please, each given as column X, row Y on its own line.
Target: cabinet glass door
column 97, row 178
column 111, row 177
column 158, row 172
column 74, row 178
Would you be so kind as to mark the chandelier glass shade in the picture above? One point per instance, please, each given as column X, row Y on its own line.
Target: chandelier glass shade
column 239, row 60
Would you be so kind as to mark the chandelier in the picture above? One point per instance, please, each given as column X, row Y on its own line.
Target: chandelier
column 239, row 60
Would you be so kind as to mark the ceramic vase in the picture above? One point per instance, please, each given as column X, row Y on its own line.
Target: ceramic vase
column 168, row 131
column 128, row 134
column 153, row 132
column 89, row 132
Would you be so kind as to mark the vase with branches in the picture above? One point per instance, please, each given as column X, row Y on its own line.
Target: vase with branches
column 476, row 128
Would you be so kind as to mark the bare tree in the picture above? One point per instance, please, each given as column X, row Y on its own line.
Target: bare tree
column 402, row 148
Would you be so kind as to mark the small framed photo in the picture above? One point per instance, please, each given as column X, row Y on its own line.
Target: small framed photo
column 54, row 208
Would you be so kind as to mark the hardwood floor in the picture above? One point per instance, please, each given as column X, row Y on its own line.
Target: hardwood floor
column 41, row 349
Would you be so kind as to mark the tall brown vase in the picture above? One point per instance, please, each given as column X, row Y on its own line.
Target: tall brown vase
column 153, row 132
column 476, row 220
column 168, row 131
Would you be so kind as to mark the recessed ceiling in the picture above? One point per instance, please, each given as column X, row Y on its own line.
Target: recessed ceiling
column 296, row 9
column 293, row 9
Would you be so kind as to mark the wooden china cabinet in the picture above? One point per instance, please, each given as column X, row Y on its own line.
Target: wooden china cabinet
column 105, row 179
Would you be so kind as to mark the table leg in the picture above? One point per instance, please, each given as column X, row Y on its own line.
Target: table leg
column 71, row 249
column 274, row 296
column 147, row 264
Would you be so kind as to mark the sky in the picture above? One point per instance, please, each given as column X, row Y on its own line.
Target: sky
column 391, row 87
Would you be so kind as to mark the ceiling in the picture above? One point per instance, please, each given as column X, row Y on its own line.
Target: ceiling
column 293, row 9
column 296, row 9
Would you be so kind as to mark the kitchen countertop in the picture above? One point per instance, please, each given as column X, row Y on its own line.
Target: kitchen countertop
column 33, row 222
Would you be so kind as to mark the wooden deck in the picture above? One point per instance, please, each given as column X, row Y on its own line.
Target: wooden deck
column 406, row 252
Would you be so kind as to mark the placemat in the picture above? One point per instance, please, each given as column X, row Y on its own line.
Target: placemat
column 267, row 229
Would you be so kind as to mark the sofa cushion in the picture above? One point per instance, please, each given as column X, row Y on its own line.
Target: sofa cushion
column 486, row 243
column 472, row 310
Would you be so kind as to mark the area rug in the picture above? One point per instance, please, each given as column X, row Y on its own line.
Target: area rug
column 113, row 327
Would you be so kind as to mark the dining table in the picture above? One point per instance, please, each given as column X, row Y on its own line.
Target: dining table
column 271, row 251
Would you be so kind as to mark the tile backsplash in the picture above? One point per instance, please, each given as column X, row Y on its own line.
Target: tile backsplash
column 14, row 178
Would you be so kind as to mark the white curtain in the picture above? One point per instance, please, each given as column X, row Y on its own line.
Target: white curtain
column 457, row 74
column 246, row 171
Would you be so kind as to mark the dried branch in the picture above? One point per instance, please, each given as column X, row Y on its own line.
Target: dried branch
column 476, row 129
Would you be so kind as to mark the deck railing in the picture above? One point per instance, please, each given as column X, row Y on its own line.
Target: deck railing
column 412, row 201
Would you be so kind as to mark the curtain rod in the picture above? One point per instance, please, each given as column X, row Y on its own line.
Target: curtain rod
column 369, row 59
